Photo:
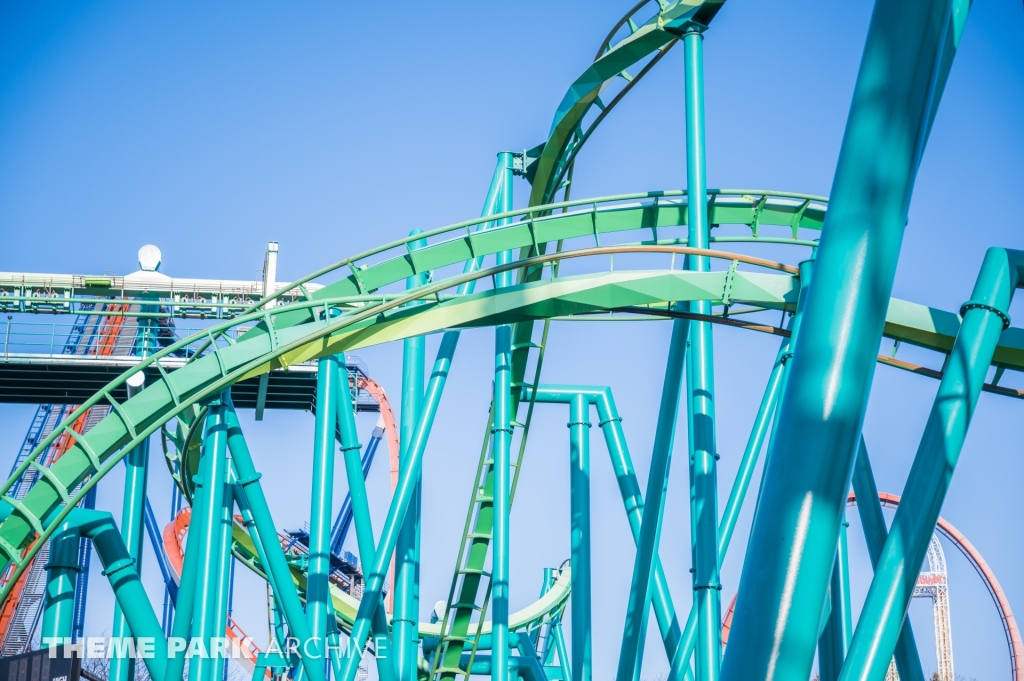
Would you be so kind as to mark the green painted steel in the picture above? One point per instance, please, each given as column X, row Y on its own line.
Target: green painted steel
column 796, row 565
column 984, row 319
column 908, row 661
column 792, row 545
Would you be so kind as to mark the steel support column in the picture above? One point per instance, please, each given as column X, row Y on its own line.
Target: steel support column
column 266, row 534
column 501, row 454
column 404, row 624
column 318, row 596
column 213, row 468
column 984, row 319
column 700, row 380
column 579, row 503
column 364, row 528
column 133, row 519
column 789, row 557
column 654, row 504
column 61, row 576
column 908, row 661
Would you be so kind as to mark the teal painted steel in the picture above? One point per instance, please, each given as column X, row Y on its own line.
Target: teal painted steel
column 759, row 432
column 789, row 558
column 629, row 489
column 700, row 381
column 405, row 636
column 133, row 518
column 876, row 530
column 579, row 508
column 657, row 485
column 908, row 661
column 61, row 577
column 501, row 453
column 119, row 568
column 364, row 529
column 222, row 597
column 266, row 536
column 835, row 638
column 984, row 319
column 319, row 609
column 181, row 627
column 214, row 464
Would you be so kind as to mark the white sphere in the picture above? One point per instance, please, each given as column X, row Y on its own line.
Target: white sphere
column 149, row 258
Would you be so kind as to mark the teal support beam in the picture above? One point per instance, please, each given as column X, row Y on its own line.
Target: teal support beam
column 266, row 535
column 700, row 381
column 501, row 453
column 404, row 623
column 984, row 319
column 130, row 594
column 629, row 489
column 579, row 505
column 835, row 638
column 657, row 486
column 133, row 518
column 61, row 576
column 399, row 504
column 213, row 469
column 181, row 628
column 350, row 447
column 755, row 442
column 869, row 509
column 222, row 607
column 562, row 650
column 319, row 608
column 789, row 557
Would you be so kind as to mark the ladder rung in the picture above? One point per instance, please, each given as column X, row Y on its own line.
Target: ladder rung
column 474, row 571
column 450, row 670
column 483, row 499
column 478, row 535
column 517, row 424
column 466, row 606
column 528, row 344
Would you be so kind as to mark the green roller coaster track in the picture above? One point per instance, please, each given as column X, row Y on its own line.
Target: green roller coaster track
column 636, row 256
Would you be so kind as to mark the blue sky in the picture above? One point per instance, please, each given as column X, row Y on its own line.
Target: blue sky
column 210, row 129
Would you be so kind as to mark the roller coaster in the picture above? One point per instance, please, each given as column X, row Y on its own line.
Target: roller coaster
column 671, row 255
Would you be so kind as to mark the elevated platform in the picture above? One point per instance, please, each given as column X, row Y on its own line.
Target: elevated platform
column 30, row 378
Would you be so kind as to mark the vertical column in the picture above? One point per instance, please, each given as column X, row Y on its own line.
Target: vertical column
column 407, row 560
column 501, row 451
column 835, row 638
column 654, row 505
column 61, row 575
column 579, row 486
column 701, row 380
column 318, row 603
column 133, row 518
column 206, row 624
